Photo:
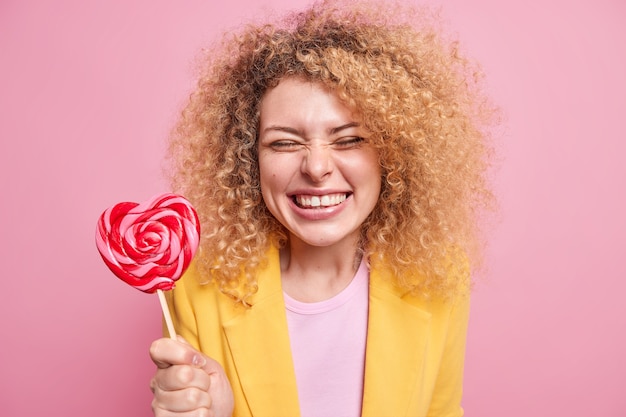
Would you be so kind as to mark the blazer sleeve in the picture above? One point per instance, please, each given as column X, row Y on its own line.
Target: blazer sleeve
column 448, row 390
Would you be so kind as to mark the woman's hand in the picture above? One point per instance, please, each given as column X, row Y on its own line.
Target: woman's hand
column 187, row 382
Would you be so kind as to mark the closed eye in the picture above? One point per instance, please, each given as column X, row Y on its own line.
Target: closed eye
column 285, row 145
column 349, row 142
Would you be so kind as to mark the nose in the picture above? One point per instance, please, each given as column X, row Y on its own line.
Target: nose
column 317, row 163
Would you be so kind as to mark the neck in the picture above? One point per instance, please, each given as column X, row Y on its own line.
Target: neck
column 312, row 273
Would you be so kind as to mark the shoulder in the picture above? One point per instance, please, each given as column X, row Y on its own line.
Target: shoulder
column 436, row 307
column 196, row 289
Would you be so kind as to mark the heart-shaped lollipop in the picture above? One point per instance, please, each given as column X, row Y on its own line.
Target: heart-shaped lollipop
column 149, row 245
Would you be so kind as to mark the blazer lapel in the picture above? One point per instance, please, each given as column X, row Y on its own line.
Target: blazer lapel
column 396, row 350
column 265, row 369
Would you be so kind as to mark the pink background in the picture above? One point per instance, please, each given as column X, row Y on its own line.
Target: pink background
column 88, row 93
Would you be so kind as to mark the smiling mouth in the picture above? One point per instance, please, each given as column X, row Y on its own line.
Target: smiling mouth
column 319, row 201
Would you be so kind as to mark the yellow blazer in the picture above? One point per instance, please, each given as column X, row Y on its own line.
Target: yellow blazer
column 414, row 355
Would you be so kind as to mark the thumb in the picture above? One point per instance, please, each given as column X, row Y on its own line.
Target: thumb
column 166, row 352
column 196, row 358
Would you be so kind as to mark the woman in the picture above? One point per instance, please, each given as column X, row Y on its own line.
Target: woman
column 337, row 161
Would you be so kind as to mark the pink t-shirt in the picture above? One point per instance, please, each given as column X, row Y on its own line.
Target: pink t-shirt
column 328, row 347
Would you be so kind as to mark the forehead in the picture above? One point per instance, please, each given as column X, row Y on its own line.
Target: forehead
column 295, row 99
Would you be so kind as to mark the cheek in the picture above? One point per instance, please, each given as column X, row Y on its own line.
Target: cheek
column 270, row 184
column 267, row 177
column 270, row 193
column 365, row 169
column 372, row 179
column 265, row 171
column 275, row 172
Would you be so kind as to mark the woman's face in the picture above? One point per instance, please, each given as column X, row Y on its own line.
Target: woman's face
column 320, row 177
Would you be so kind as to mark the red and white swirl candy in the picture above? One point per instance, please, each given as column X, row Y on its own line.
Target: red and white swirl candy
column 149, row 245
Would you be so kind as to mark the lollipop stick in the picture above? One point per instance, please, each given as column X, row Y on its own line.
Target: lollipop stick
column 166, row 315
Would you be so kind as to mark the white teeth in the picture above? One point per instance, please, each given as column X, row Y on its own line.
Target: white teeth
column 320, row 201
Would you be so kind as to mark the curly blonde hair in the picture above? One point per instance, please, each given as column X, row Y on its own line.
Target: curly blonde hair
column 415, row 93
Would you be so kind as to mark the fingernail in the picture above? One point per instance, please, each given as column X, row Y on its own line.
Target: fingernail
column 198, row 361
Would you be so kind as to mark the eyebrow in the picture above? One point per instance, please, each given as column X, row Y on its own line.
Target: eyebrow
column 343, row 127
column 294, row 131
